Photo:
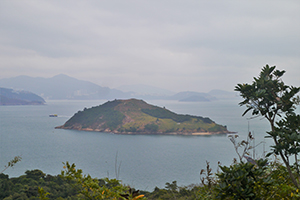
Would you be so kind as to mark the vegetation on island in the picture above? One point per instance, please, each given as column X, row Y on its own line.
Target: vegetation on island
column 137, row 117
column 246, row 178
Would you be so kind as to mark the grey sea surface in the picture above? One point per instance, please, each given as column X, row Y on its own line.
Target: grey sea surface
column 141, row 161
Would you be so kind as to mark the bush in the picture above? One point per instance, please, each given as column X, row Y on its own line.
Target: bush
column 151, row 127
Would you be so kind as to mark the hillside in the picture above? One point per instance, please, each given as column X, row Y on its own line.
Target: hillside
column 137, row 117
column 62, row 87
column 189, row 96
column 12, row 97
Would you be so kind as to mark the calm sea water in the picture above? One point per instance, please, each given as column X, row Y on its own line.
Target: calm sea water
column 142, row 161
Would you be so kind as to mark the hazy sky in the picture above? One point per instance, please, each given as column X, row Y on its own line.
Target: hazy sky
column 194, row 45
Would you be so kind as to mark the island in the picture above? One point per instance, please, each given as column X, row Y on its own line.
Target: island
column 133, row 116
column 10, row 97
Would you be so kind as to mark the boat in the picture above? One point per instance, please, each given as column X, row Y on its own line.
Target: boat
column 53, row 115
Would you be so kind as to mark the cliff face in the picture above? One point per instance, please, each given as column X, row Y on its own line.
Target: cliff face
column 137, row 117
column 12, row 97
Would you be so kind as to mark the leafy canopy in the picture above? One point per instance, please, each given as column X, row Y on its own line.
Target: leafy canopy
column 270, row 97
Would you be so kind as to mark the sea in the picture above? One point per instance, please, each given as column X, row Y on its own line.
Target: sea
column 140, row 161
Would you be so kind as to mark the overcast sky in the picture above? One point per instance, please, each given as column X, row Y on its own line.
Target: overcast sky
column 193, row 45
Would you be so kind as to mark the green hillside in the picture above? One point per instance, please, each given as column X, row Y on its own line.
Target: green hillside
column 137, row 117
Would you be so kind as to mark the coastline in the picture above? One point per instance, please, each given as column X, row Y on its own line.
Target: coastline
column 147, row 133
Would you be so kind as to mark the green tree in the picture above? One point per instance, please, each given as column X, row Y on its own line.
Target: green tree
column 151, row 127
column 270, row 97
column 42, row 194
column 243, row 181
column 35, row 174
column 90, row 188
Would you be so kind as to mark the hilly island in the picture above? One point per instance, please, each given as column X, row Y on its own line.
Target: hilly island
column 134, row 116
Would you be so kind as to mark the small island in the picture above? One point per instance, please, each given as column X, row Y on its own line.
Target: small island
column 134, row 116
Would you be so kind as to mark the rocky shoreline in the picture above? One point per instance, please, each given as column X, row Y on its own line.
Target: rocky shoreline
column 146, row 133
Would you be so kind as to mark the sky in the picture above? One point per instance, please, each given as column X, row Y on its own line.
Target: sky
column 190, row 45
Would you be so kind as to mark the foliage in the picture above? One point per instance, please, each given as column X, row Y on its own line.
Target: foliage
column 12, row 163
column 166, row 114
column 259, row 181
column 269, row 97
column 287, row 134
column 91, row 188
column 35, row 185
column 103, row 114
column 243, row 147
column 173, row 191
column 151, row 127
column 280, row 179
column 42, row 194
column 243, row 181
column 263, row 181
column 208, row 183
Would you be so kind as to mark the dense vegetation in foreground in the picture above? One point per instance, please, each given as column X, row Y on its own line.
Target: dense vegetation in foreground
column 261, row 179
column 239, row 181
column 134, row 116
column 37, row 185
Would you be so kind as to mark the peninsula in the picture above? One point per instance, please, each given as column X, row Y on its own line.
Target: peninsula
column 10, row 97
column 134, row 116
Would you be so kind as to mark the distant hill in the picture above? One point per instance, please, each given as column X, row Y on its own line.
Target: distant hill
column 62, row 87
column 213, row 95
column 65, row 87
column 192, row 96
column 221, row 94
column 13, row 97
column 137, row 117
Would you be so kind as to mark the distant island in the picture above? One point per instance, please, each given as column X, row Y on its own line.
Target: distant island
column 134, row 116
column 14, row 97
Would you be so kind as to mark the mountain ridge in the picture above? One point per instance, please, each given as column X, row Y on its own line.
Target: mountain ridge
column 63, row 86
column 14, row 97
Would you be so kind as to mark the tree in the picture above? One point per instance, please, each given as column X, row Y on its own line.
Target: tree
column 90, row 188
column 35, row 174
column 268, row 96
column 151, row 127
column 243, row 181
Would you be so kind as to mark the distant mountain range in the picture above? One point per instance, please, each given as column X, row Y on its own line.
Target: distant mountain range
column 65, row 87
column 192, row 96
column 13, row 97
column 62, row 87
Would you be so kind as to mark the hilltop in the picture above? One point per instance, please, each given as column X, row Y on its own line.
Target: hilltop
column 137, row 117
column 14, row 97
